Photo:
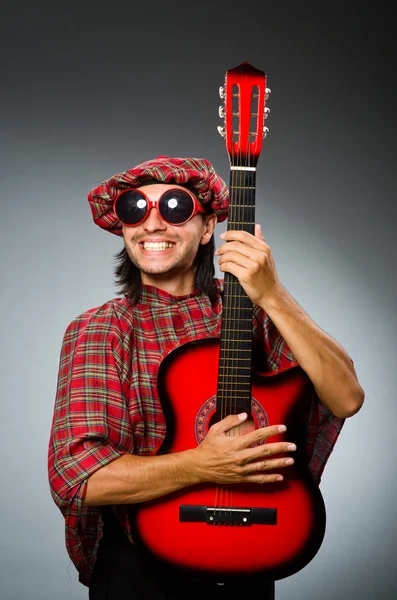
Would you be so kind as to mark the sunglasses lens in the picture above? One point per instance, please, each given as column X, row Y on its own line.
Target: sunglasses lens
column 130, row 207
column 176, row 206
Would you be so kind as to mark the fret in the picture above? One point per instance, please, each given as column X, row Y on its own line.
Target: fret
column 234, row 168
column 238, row 350
column 222, row 394
column 229, row 282
column 243, row 205
column 225, row 346
column 236, row 398
column 242, row 383
column 241, row 390
column 236, row 374
column 234, row 281
column 242, row 187
column 246, row 337
column 225, row 392
column 234, row 368
column 238, row 341
column 247, row 331
column 233, row 319
column 232, row 223
column 242, row 358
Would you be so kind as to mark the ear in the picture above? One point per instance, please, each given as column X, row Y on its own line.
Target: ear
column 209, row 225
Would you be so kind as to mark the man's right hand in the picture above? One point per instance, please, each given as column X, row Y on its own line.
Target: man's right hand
column 234, row 452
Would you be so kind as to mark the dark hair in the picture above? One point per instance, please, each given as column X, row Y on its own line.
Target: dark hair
column 128, row 276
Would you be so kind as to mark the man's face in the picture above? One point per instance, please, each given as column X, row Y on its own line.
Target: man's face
column 162, row 251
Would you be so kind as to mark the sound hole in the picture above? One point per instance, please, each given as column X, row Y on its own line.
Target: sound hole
column 208, row 415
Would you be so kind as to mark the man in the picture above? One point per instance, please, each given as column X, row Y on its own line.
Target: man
column 108, row 422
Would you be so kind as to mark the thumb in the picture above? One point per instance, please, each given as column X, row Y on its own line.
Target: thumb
column 258, row 231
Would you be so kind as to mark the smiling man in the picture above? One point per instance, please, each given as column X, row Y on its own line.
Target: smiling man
column 109, row 424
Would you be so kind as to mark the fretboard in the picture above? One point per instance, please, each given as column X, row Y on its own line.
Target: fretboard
column 234, row 378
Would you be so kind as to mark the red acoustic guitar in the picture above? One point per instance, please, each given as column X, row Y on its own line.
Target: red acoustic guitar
column 235, row 532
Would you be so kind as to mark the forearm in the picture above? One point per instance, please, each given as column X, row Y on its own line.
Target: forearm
column 324, row 360
column 230, row 453
column 130, row 478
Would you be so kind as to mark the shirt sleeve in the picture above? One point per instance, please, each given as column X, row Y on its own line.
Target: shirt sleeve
column 322, row 426
column 90, row 425
column 272, row 351
column 322, row 431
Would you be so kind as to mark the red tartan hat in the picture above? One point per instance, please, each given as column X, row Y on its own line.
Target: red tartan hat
column 210, row 189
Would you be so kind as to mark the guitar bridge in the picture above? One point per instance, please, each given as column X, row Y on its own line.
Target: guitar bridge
column 227, row 515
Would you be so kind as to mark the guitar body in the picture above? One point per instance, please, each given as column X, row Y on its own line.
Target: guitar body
column 178, row 531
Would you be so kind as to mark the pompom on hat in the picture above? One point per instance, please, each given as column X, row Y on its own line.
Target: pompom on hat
column 210, row 189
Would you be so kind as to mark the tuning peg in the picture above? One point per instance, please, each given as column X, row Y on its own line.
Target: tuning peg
column 268, row 91
column 265, row 132
column 267, row 112
column 222, row 112
column 221, row 131
column 222, row 92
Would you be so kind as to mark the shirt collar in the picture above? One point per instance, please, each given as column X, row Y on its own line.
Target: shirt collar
column 152, row 295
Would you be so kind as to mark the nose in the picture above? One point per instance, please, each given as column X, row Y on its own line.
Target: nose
column 154, row 222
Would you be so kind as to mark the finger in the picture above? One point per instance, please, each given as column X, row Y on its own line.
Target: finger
column 226, row 424
column 258, row 231
column 242, row 236
column 267, row 465
column 266, row 450
column 259, row 435
column 264, row 478
column 241, row 249
column 236, row 270
column 242, row 259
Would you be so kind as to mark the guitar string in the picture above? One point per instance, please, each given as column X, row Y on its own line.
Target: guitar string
column 236, row 191
column 243, row 217
column 237, row 225
column 226, row 306
column 229, row 398
column 235, row 291
column 228, row 388
column 240, row 209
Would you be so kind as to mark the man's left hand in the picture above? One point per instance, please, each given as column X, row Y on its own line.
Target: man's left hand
column 249, row 258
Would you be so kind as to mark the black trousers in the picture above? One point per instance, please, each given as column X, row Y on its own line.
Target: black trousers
column 121, row 574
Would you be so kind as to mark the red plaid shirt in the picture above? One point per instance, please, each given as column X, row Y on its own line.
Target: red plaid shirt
column 107, row 402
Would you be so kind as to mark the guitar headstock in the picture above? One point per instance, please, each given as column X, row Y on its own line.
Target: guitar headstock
column 244, row 113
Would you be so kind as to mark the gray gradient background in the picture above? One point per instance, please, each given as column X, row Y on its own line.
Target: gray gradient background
column 89, row 91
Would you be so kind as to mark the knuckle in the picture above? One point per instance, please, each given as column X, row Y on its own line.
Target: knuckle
column 241, row 470
column 214, row 428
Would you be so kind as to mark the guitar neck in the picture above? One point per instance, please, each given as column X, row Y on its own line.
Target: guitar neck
column 234, row 379
column 244, row 114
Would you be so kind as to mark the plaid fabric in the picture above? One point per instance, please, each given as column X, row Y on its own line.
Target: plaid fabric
column 107, row 402
column 210, row 188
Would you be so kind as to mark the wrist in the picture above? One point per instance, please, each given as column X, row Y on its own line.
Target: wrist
column 192, row 466
column 276, row 302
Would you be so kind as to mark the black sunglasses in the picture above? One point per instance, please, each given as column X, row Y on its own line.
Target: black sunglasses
column 176, row 206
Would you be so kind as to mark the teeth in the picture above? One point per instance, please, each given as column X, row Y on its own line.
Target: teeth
column 157, row 245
